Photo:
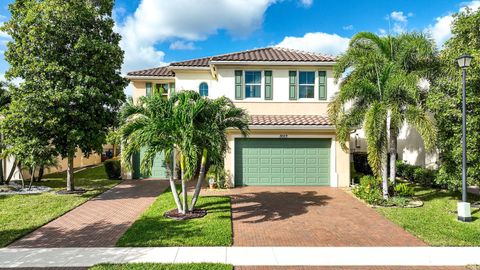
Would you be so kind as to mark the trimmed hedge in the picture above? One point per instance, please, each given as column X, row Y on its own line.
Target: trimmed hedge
column 113, row 168
column 416, row 174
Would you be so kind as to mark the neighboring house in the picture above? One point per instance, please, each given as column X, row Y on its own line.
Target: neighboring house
column 286, row 93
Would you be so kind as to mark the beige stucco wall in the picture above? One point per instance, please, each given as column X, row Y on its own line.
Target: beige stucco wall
column 340, row 166
column 410, row 147
column 79, row 162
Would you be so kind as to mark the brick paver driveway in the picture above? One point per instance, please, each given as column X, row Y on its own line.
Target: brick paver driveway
column 99, row 222
column 309, row 216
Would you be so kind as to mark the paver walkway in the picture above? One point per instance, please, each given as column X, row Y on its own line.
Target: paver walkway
column 99, row 222
column 309, row 216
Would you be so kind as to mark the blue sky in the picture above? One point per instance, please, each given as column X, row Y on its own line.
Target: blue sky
column 156, row 32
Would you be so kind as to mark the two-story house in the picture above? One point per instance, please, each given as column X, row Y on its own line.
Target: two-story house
column 286, row 93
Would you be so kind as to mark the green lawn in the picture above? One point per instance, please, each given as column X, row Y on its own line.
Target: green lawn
column 436, row 222
column 152, row 229
column 21, row 214
column 159, row 266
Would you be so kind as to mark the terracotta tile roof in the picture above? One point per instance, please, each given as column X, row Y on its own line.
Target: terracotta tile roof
column 160, row 71
column 275, row 54
column 289, row 120
column 200, row 62
column 270, row 54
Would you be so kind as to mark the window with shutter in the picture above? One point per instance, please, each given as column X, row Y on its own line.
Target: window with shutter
column 148, row 88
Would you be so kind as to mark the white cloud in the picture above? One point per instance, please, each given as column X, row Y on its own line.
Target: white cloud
column 348, row 27
column 306, row 3
column 400, row 21
column 319, row 42
column 441, row 31
column 159, row 21
column 398, row 16
column 182, row 45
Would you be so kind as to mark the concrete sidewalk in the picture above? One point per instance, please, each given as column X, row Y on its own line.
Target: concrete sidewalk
column 242, row 256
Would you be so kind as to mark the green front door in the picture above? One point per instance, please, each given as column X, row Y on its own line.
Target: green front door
column 282, row 162
column 158, row 168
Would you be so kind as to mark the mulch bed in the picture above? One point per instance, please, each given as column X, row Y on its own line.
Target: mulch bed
column 76, row 191
column 174, row 214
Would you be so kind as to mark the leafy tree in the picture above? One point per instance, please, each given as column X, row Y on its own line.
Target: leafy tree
column 445, row 100
column 4, row 103
column 380, row 91
column 69, row 58
column 187, row 124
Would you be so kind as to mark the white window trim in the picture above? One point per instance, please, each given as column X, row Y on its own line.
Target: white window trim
column 314, row 84
column 333, row 156
column 245, row 84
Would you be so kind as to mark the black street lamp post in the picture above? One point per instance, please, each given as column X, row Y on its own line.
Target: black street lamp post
column 463, row 207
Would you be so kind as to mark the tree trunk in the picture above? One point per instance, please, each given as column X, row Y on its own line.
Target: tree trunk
column 70, row 183
column 171, row 172
column 385, row 175
column 393, row 156
column 12, row 171
column 32, row 177
column 184, row 187
column 201, row 178
column 2, row 173
column 41, row 171
column 114, row 150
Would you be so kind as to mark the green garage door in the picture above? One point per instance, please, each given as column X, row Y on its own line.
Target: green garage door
column 158, row 169
column 282, row 162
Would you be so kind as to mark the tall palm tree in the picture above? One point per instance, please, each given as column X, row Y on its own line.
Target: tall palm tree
column 187, row 124
column 380, row 92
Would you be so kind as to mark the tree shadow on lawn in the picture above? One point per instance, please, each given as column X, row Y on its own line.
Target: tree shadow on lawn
column 271, row 206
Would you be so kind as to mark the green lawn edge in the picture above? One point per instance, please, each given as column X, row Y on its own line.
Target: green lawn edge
column 436, row 222
column 152, row 229
column 23, row 214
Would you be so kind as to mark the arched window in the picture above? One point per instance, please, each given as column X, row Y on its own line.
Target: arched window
column 204, row 89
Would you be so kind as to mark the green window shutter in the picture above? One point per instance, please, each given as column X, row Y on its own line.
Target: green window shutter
column 268, row 85
column 238, row 84
column 322, row 85
column 293, row 85
column 148, row 87
column 171, row 87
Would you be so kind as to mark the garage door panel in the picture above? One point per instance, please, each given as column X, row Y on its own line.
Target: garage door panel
column 282, row 161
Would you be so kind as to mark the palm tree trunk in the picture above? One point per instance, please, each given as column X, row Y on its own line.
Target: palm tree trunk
column 171, row 172
column 201, row 178
column 393, row 155
column 70, row 183
column 385, row 175
column 184, row 186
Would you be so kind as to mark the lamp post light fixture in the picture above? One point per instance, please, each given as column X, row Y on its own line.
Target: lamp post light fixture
column 463, row 207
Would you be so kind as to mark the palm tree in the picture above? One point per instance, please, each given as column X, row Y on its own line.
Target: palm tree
column 187, row 124
column 220, row 116
column 380, row 91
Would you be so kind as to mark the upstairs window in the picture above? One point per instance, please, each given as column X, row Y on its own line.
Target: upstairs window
column 162, row 88
column 203, row 89
column 306, row 84
column 253, row 84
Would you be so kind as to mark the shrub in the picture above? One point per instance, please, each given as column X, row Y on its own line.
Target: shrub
column 360, row 163
column 404, row 190
column 369, row 190
column 396, row 201
column 113, row 168
column 401, row 167
column 424, row 177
